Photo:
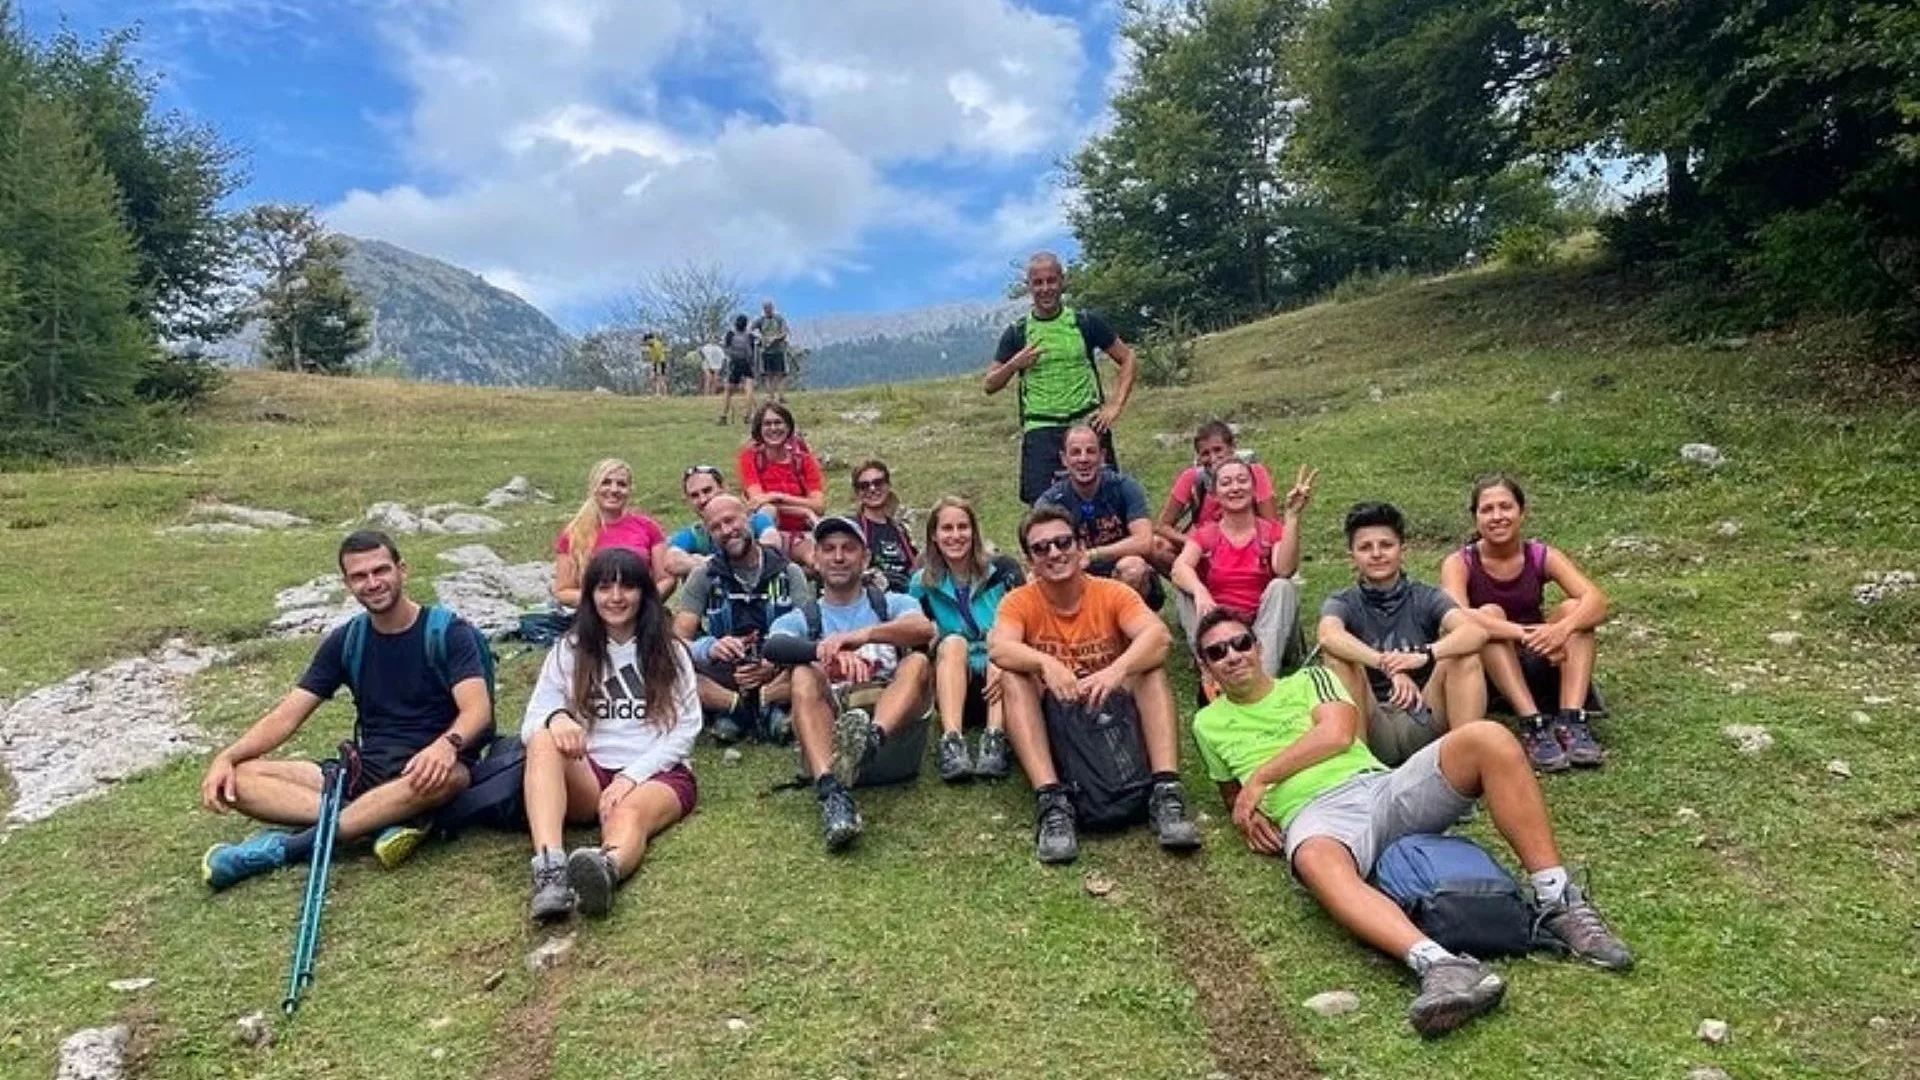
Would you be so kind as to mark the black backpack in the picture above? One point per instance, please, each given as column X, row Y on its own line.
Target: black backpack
column 1101, row 757
column 1456, row 894
column 493, row 798
column 810, row 611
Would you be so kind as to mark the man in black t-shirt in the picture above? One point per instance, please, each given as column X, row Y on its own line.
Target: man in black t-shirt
column 417, row 728
column 1409, row 657
column 1051, row 353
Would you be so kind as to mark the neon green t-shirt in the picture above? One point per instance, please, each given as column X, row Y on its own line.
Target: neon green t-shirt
column 1235, row 740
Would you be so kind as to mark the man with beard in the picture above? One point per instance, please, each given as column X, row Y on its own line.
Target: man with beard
column 692, row 545
column 724, row 613
column 1051, row 353
column 1109, row 512
column 419, row 722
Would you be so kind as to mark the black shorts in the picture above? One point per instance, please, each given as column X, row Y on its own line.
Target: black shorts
column 1543, row 681
column 773, row 362
column 660, row 370
column 719, row 671
column 382, row 759
column 1040, row 459
column 739, row 371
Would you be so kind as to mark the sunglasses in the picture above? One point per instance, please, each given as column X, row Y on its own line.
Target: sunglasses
column 874, row 484
column 708, row 469
column 1040, row 548
column 1216, row 652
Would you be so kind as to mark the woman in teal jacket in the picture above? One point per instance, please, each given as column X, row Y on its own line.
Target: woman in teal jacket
column 960, row 588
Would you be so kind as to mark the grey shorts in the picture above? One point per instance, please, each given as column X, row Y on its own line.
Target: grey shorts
column 1394, row 734
column 1373, row 810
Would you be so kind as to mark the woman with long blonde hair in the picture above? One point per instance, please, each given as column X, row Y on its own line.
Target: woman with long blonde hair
column 604, row 521
column 960, row 588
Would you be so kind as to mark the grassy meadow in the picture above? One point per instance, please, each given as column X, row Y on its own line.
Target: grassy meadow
column 1784, row 902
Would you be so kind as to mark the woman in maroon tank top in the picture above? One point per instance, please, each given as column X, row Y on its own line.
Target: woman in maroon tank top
column 1532, row 652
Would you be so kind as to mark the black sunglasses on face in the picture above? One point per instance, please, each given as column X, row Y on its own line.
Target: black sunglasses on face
column 1216, row 652
column 1047, row 547
column 874, row 484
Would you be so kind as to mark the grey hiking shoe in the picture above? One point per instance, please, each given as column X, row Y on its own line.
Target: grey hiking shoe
column 1575, row 923
column 840, row 822
column 854, row 742
column 1575, row 736
column 1054, row 839
column 590, row 872
column 990, row 759
column 955, row 764
column 553, row 897
column 1452, row 992
column 1167, row 814
column 1543, row 747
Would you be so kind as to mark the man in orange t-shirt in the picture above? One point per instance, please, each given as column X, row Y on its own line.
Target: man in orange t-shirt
column 1078, row 639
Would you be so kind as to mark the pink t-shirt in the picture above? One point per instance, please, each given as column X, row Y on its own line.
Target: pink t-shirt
column 1236, row 576
column 1209, row 506
column 635, row 531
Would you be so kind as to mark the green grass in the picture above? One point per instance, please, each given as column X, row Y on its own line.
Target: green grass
column 939, row 948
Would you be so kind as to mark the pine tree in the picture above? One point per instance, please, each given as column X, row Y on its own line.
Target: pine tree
column 314, row 319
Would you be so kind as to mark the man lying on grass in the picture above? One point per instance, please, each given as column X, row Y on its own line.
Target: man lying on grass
column 1299, row 782
column 419, row 721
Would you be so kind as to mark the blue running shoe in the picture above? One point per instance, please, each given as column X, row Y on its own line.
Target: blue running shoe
column 228, row 864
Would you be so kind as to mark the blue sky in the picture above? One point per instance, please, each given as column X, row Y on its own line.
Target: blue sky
column 838, row 155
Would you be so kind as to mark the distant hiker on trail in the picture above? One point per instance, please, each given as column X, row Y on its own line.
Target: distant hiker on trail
column 1109, row 512
column 656, row 348
column 854, row 638
column 724, row 612
column 889, row 539
column 603, row 521
column 960, row 589
column 422, row 710
column 780, row 474
column 690, row 546
column 1051, row 352
column 608, row 731
column 1089, row 709
column 713, row 363
column 1531, row 655
column 742, row 348
column 1409, row 656
column 1193, row 503
column 772, row 331
column 1247, row 563
column 1299, row 783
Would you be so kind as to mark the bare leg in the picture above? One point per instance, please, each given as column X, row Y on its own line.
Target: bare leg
column 1576, row 668
column 278, row 792
column 557, row 789
column 1457, row 691
column 1327, row 869
column 812, row 719
column 950, row 676
column 1163, row 555
column 1484, row 760
column 1501, row 661
column 1159, row 719
column 394, row 802
column 649, row 811
column 1135, row 572
column 1026, row 729
column 905, row 698
column 713, row 696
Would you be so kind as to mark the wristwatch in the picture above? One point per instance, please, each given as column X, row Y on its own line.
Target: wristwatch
column 454, row 738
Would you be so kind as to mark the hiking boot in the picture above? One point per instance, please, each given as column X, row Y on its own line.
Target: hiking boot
column 1543, row 747
column 854, row 741
column 840, row 820
column 990, row 760
column 1576, row 924
column 1576, row 738
column 1452, row 992
column 1167, row 815
column 396, row 844
column 590, row 873
column 778, row 726
column 553, row 898
column 1054, row 840
column 727, row 730
column 229, row 864
column 955, row 764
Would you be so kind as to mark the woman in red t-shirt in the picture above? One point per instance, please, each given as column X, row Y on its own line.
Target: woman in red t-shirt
column 782, row 475
column 603, row 521
column 1246, row 562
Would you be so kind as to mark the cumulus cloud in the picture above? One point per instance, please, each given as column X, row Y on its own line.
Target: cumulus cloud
column 566, row 146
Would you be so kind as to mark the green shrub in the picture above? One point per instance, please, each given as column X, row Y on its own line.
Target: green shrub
column 178, row 377
column 1166, row 354
column 1362, row 284
column 1523, row 245
column 1816, row 261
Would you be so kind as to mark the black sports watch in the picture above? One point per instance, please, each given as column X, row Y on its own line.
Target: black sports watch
column 454, row 738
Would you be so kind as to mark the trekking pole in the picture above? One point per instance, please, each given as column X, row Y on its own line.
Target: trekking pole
column 307, row 936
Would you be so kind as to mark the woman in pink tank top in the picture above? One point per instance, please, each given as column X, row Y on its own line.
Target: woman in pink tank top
column 1532, row 652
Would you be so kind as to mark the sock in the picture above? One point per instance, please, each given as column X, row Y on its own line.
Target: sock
column 1531, row 720
column 546, row 857
column 1574, row 715
column 1055, row 788
column 1425, row 953
column 1167, row 777
column 825, row 784
column 1550, row 884
column 298, row 848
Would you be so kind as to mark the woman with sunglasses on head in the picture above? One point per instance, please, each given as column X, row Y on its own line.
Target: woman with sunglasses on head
column 604, row 521
column 889, row 542
column 960, row 588
column 1246, row 562
column 691, row 545
column 782, row 475
column 608, row 732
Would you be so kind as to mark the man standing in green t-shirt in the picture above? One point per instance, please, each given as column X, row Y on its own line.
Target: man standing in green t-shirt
column 772, row 328
column 1300, row 783
column 1051, row 352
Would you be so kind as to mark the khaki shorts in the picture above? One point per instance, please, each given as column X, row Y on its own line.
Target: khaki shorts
column 1394, row 734
column 1374, row 809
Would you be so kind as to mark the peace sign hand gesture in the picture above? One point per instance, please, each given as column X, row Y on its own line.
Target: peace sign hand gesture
column 1301, row 493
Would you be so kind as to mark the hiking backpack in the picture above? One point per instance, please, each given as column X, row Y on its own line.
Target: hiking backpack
column 1456, row 894
column 1101, row 758
column 723, row 593
column 439, row 620
column 810, row 611
column 1203, row 486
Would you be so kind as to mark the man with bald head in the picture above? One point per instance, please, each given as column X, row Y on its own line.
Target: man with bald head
column 724, row 612
column 1051, row 352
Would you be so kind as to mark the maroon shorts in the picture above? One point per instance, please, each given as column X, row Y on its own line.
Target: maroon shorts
column 678, row 778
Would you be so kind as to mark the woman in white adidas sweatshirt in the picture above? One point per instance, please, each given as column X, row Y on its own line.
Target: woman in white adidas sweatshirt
column 608, row 732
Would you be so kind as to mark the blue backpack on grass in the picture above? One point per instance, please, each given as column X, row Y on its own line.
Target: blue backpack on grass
column 1457, row 895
